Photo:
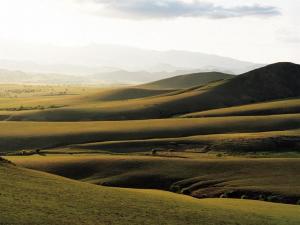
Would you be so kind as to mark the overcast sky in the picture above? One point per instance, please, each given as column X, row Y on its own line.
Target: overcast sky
column 253, row 30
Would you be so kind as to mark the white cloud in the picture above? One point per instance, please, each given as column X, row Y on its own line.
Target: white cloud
column 144, row 9
column 66, row 23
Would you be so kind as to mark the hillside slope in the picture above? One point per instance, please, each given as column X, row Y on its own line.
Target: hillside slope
column 30, row 197
column 36, row 135
column 187, row 81
column 273, row 82
column 285, row 106
column 126, row 93
column 196, row 177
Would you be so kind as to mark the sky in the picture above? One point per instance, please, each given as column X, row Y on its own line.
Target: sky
column 257, row 31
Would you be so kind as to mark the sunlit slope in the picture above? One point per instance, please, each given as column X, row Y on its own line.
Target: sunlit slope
column 259, row 142
column 28, row 135
column 273, row 82
column 201, row 177
column 266, row 108
column 24, row 98
column 13, row 96
column 187, row 81
column 126, row 93
column 29, row 197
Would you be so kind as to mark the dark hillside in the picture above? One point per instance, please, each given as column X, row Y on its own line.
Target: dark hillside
column 187, row 81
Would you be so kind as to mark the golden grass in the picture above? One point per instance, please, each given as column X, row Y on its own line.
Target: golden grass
column 228, row 142
column 265, row 108
column 209, row 176
column 29, row 197
column 28, row 135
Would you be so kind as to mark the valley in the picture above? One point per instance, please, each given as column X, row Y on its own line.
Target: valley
column 200, row 147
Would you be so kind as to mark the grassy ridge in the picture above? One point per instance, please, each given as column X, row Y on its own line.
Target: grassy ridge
column 271, row 141
column 48, row 199
column 265, row 108
column 118, row 94
column 187, row 81
column 202, row 177
column 273, row 82
column 29, row 135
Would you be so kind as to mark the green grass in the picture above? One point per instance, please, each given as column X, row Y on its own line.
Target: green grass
column 273, row 82
column 259, row 143
column 197, row 177
column 117, row 94
column 194, row 156
column 31, row 135
column 266, row 108
column 29, row 197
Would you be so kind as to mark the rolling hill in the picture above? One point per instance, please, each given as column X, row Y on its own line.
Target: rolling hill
column 286, row 106
column 282, row 142
column 37, row 135
column 126, row 93
column 187, row 81
column 196, row 177
column 31, row 197
column 273, row 82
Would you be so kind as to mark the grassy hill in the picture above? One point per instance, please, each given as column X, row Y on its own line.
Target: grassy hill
column 277, row 180
column 32, row 135
column 187, row 81
column 273, row 82
column 126, row 93
column 258, row 144
column 30, row 197
column 227, row 143
column 265, row 108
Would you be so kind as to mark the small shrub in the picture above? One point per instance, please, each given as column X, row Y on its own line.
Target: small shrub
column 298, row 202
column 273, row 198
column 202, row 196
column 229, row 194
column 186, row 191
column 261, row 197
column 244, row 197
column 224, row 195
column 219, row 155
column 154, row 152
column 175, row 188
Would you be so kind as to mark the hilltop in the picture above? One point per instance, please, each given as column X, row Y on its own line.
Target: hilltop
column 187, row 81
column 273, row 82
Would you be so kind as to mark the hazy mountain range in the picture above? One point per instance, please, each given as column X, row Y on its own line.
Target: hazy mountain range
column 106, row 64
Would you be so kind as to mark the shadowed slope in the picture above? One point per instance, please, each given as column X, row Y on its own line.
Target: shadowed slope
column 209, row 177
column 124, row 94
column 30, row 197
column 31, row 135
column 187, row 81
column 286, row 106
column 276, row 81
column 233, row 143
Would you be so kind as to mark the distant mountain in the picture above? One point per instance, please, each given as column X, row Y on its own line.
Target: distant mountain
column 120, row 77
column 95, row 59
column 134, row 77
column 187, row 81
